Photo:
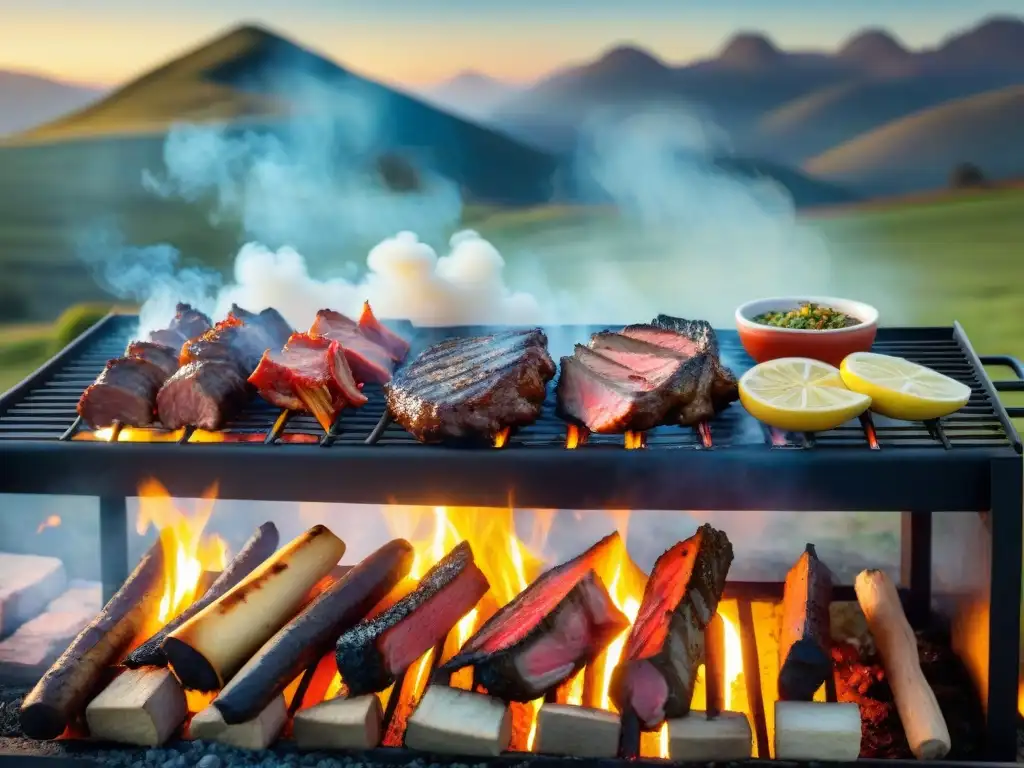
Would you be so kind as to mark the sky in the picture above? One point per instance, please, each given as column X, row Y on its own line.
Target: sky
column 419, row 42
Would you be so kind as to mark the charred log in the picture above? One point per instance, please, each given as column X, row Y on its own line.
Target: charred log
column 804, row 654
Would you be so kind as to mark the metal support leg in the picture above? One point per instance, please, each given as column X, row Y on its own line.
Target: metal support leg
column 916, row 565
column 113, row 544
column 1004, row 608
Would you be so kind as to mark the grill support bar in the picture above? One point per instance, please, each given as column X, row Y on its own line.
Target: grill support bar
column 113, row 544
column 916, row 564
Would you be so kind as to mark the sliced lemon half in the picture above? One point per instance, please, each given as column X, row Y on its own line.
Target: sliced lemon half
column 901, row 389
column 798, row 394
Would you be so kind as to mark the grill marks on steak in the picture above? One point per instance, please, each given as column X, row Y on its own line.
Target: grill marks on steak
column 547, row 633
column 370, row 361
column 473, row 387
column 311, row 374
column 666, row 645
column 373, row 653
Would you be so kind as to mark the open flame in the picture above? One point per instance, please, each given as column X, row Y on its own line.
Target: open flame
column 187, row 552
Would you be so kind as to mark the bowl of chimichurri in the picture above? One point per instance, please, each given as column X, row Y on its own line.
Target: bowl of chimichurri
column 819, row 327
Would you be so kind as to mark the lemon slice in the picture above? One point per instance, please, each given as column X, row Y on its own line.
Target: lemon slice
column 799, row 395
column 901, row 389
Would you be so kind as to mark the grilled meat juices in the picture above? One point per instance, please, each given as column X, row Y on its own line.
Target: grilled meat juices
column 547, row 633
column 210, row 387
column 666, row 645
column 472, row 387
column 126, row 390
column 374, row 652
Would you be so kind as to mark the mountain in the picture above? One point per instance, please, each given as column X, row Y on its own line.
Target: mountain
column 28, row 100
column 253, row 77
column 918, row 152
column 470, row 94
column 749, row 51
column 877, row 52
column 997, row 43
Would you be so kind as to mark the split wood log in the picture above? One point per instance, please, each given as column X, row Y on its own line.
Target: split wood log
column 141, row 706
column 211, row 647
column 805, row 660
column 812, row 730
column 29, row 652
column 571, row 731
column 62, row 693
column 340, row 724
column 698, row 738
column 714, row 664
column 257, row 549
column 28, row 583
column 313, row 631
column 258, row 733
column 456, row 722
column 927, row 733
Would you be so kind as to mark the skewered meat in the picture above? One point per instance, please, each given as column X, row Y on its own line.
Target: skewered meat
column 269, row 319
column 375, row 651
column 232, row 341
column 370, row 362
column 547, row 633
column 310, row 373
column 186, row 324
column 666, row 645
column 381, row 335
column 124, row 392
column 162, row 357
column 473, row 387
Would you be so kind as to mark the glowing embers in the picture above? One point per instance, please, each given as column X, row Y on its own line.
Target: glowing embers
column 119, row 434
column 634, row 441
column 576, row 436
column 501, row 439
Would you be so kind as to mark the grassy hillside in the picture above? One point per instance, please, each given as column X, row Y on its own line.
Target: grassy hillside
column 917, row 152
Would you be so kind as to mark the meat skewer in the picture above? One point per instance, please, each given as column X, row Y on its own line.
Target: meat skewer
column 125, row 391
column 258, row 548
column 371, row 350
column 547, row 633
column 666, row 645
column 374, row 652
column 805, row 655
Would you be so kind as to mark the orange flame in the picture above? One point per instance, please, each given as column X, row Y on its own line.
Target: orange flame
column 575, row 437
column 501, row 439
column 132, row 435
column 634, row 440
column 187, row 552
column 50, row 522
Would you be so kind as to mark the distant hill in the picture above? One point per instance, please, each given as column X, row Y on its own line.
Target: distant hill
column 470, row 94
column 918, row 152
column 877, row 52
column 253, row 76
column 27, row 100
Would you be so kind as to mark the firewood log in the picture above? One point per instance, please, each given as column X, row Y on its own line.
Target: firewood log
column 340, row 724
column 258, row 548
column 258, row 733
column 141, row 706
column 697, row 738
column 456, row 722
column 211, row 647
column 62, row 693
column 812, row 730
column 570, row 731
column 927, row 733
column 804, row 642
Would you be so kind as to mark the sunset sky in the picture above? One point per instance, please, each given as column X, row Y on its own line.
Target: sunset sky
column 416, row 42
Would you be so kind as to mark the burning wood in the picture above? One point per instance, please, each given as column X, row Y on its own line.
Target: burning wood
column 211, row 646
column 142, row 707
column 805, row 657
column 341, row 723
column 60, row 696
column 374, row 652
column 919, row 711
column 571, row 731
column 452, row 721
column 258, row 733
column 258, row 548
column 666, row 645
column 812, row 730
column 547, row 633
column 720, row 738
column 306, row 637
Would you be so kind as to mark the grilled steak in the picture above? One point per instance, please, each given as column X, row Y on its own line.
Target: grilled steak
column 550, row 630
column 666, row 645
column 381, row 335
column 311, row 374
column 473, row 387
column 611, row 396
column 164, row 358
column 186, row 324
column 724, row 389
column 204, row 394
column 374, row 652
column 124, row 392
column 370, row 362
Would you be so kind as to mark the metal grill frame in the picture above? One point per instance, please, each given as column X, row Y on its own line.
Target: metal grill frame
column 939, row 486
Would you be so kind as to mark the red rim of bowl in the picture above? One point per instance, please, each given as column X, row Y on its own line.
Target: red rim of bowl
column 745, row 313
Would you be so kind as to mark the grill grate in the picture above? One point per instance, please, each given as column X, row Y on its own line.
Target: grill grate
column 43, row 407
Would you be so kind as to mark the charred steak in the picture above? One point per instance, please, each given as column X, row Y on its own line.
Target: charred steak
column 370, row 362
column 473, row 387
column 724, row 389
column 186, row 324
column 666, row 645
column 374, row 652
column 162, row 357
column 547, row 633
column 124, row 392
